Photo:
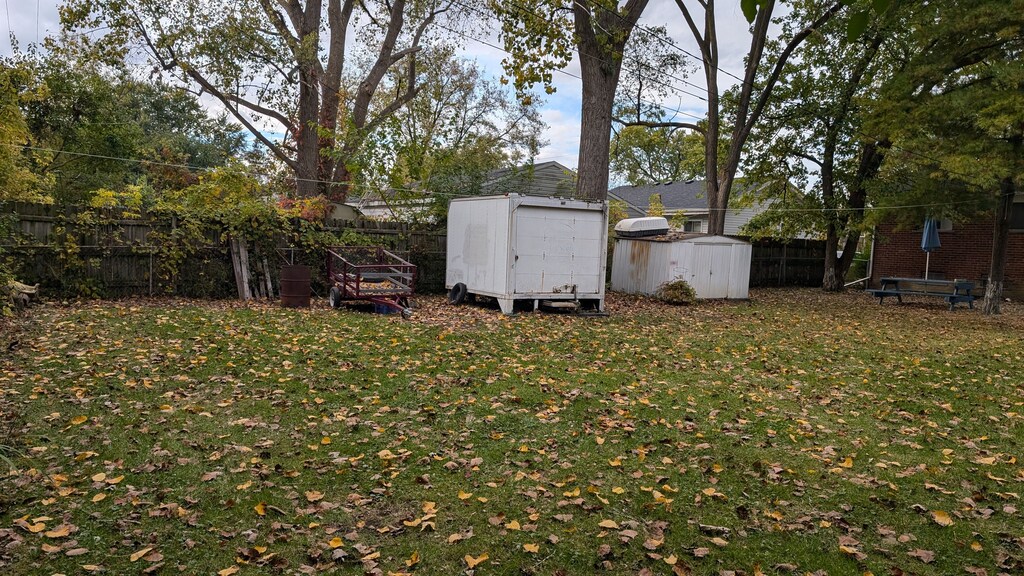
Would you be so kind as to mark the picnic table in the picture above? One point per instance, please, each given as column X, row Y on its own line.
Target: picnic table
column 953, row 291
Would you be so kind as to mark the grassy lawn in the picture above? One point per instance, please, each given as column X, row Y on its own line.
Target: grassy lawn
column 798, row 433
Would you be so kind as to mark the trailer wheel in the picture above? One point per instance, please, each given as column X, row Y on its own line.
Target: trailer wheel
column 334, row 297
column 457, row 295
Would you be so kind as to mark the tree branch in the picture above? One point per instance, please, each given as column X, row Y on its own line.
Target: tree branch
column 647, row 124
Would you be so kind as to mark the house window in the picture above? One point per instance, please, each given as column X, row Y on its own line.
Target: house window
column 693, row 226
column 1017, row 217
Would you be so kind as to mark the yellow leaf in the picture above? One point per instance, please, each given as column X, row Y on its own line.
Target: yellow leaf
column 79, row 420
column 260, row 549
column 260, row 509
column 609, row 524
column 414, row 559
column 942, row 518
column 115, row 480
column 313, row 495
column 473, row 562
column 531, row 548
column 35, row 528
column 513, row 525
column 615, row 462
column 325, row 440
column 986, row 461
column 848, row 463
column 228, row 571
column 709, row 491
column 716, row 468
column 976, row 546
column 719, row 541
column 464, row 495
column 599, row 439
column 134, row 557
column 58, row 532
column 99, row 497
column 99, row 477
column 618, row 490
column 90, row 567
column 336, row 542
column 671, row 560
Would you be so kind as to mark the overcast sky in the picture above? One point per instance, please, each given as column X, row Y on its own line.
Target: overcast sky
column 31, row 21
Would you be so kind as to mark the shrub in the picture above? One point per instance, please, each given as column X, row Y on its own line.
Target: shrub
column 677, row 292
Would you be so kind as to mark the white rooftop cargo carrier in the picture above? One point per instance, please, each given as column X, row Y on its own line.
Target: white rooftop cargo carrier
column 640, row 227
column 517, row 247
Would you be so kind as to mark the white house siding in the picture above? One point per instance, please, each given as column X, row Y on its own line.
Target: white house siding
column 736, row 219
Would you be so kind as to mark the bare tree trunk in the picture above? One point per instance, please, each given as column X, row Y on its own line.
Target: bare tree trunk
column 306, row 138
column 595, row 144
column 1000, row 237
column 600, row 64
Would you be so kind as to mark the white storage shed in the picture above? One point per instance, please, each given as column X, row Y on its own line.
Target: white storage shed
column 715, row 266
column 517, row 247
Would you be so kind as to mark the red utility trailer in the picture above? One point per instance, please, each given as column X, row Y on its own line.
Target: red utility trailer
column 370, row 274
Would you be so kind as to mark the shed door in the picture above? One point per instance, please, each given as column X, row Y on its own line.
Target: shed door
column 711, row 266
column 556, row 249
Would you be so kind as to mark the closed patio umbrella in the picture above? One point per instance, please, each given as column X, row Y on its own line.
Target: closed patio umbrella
column 929, row 241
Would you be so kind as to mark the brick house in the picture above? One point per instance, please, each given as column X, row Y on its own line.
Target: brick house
column 965, row 253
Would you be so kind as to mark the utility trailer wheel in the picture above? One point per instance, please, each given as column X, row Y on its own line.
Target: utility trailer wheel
column 406, row 313
column 334, row 297
column 457, row 295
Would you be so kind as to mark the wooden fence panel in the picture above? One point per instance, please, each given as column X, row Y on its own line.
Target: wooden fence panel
column 113, row 256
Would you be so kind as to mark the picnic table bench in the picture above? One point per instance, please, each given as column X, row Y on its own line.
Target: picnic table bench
column 953, row 291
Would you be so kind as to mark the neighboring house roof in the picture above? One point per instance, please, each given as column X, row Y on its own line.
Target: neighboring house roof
column 687, row 196
column 544, row 179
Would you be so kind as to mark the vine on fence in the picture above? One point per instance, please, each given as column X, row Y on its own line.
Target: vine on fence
column 188, row 234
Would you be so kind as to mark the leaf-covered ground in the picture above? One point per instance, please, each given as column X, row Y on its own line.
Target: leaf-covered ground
column 798, row 433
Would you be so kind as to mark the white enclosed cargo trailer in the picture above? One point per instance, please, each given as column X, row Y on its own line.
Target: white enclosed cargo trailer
column 517, row 247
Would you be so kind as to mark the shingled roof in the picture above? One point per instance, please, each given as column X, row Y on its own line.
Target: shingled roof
column 682, row 195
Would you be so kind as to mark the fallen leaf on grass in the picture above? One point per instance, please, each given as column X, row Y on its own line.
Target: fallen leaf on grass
column 59, row 532
column 79, row 420
column 313, row 495
column 139, row 554
column 942, row 518
column 609, row 524
column 926, row 556
column 473, row 562
column 531, row 548
column 260, row 509
column 228, row 571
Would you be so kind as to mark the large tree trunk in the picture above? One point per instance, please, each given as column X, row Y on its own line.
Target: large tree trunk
column 1000, row 237
column 307, row 140
column 595, row 144
column 601, row 35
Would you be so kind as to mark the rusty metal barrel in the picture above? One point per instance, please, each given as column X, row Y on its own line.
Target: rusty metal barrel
column 295, row 286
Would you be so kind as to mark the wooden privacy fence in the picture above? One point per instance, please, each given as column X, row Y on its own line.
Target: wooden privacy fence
column 793, row 263
column 73, row 250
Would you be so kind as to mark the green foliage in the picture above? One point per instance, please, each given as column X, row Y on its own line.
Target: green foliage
column 539, row 38
column 655, row 207
column 18, row 181
column 644, row 155
column 113, row 130
column 677, row 292
column 954, row 109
